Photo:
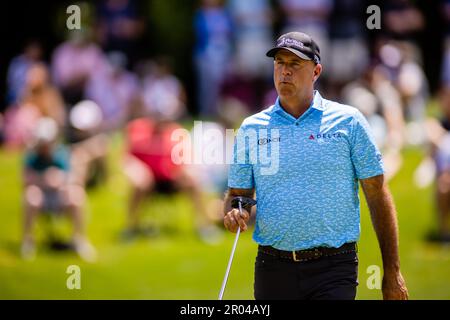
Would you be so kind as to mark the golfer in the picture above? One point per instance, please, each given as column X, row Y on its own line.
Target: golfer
column 308, row 212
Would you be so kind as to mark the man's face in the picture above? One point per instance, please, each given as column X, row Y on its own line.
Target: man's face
column 294, row 76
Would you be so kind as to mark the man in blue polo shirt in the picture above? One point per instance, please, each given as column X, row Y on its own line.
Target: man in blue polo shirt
column 304, row 157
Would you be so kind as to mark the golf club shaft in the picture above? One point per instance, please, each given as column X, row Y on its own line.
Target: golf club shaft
column 224, row 283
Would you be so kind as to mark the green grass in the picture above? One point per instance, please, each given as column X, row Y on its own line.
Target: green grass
column 175, row 264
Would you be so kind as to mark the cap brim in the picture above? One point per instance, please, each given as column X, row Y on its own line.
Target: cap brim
column 272, row 52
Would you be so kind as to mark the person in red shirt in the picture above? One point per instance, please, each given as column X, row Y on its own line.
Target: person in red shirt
column 149, row 167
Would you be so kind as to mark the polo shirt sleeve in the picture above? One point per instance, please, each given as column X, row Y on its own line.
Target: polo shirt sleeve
column 366, row 157
column 240, row 173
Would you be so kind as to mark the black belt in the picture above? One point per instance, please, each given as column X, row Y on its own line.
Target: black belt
column 309, row 254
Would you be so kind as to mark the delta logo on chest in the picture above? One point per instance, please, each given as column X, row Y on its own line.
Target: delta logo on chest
column 325, row 136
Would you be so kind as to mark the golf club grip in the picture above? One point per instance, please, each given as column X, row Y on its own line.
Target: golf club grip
column 243, row 202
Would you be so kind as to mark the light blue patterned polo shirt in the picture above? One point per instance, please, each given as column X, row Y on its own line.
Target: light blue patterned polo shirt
column 305, row 172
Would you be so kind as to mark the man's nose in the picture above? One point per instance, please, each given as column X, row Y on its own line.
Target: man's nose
column 286, row 70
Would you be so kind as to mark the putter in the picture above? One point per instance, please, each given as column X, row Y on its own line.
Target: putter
column 237, row 202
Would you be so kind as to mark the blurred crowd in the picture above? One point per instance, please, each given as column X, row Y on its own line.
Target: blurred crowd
column 63, row 112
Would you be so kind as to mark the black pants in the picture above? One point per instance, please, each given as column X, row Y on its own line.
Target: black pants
column 325, row 278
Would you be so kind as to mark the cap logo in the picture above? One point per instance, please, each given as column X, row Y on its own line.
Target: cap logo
column 290, row 43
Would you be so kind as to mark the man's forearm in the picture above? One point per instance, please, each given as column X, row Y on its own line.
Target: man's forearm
column 384, row 219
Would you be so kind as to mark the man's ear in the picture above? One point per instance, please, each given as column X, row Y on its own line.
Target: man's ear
column 317, row 72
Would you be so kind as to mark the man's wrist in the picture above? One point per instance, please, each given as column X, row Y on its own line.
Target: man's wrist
column 391, row 270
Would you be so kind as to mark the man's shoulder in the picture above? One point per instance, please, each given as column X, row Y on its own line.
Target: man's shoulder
column 340, row 110
column 338, row 107
column 260, row 119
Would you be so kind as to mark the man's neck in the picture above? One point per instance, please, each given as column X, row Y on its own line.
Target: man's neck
column 297, row 106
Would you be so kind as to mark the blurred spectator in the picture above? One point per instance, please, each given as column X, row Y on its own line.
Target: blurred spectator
column 407, row 76
column 73, row 64
column 349, row 55
column 402, row 21
column 119, row 26
column 40, row 93
column 212, row 54
column 163, row 95
column 250, row 72
column 148, row 163
column 242, row 89
column 19, row 124
column 48, row 189
column 149, row 167
column 115, row 90
column 380, row 103
column 439, row 137
column 76, row 63
column 18, row 70
column 310, row 17
column 252, row 22
column 39, row 99
column 89, row 145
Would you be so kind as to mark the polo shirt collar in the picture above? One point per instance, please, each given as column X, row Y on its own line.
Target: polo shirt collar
column 317, row 103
